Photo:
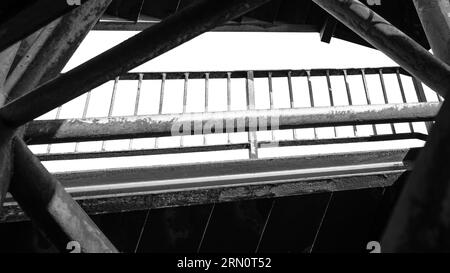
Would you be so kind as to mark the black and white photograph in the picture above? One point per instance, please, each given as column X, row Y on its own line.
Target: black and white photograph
column 220, row 135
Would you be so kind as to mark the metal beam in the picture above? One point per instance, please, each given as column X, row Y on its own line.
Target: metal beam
column 113, row 190
column 435, row 18
column 421, row 219
column 90, row 129
column 6, row 59
column 226, row 147
column 30, row 19
column 53, row 48
column 255, row 26
column 263, row 73
column 391, row 41
column 173, row 31
column 41, row 196
column 51, row 207
column 327, row 30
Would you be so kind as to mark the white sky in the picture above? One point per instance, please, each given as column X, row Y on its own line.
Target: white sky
column 227, row 51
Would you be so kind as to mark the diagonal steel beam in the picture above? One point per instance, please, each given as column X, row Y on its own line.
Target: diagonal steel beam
column 6, row 60
column 53, row 48
column 41, row 196
column 30, row 19
column 435, row 18
column 391, row 41
column 51, row 207
column 170, row 33
column 421, row 218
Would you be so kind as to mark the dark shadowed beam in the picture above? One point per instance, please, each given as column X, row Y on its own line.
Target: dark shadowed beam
column 391, row 41
column 6, row 59
column 171, row 32
column 41, row 196
column 53, row 48
column 243, row 26
column 327, row 30
column 435, row 18
column 30, row 19
column 51, row 207
column 421, row 219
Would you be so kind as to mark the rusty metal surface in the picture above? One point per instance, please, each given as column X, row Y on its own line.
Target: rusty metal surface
column 51, row 207
column 40, row 195
column 173, row 31
column 435, row 18
column 421, row 219
column 391, row 41
column 166, row 195
column 53, row 48
column 30, row 19
column 155, row 187
column 48, row 131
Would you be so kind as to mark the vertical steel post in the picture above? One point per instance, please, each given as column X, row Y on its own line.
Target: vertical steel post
column 253, row 150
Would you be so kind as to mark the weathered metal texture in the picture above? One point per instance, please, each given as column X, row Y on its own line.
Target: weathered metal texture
column 51, row 207
column 161, row 199
column 30, row 19
column 54, row 47
column 126, row 189
column 173, row 31
column 67, row 130
column 6, row 60
column 435, row 18
column 391, row 41
column 27, row 58
column 40, row 195
column 247, row 26
column 250, row 88
column 6, row 161
column 421, row 219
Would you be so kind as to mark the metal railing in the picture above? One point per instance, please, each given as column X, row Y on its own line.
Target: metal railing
column 313, row 116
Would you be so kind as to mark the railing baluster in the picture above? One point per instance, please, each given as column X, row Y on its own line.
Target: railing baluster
column 86, row 106
column 291, row 99
column 330, row 93
column 253, row 150
column 269, row 80
column 161, row 101
column 229, row 98
column 136, row 103
column 368, row 100
column 186, row 80
column 349, row 97
column 402, row 92
column 206, row 100
column 385, row 97
column 311, row 96
column 111, row 105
